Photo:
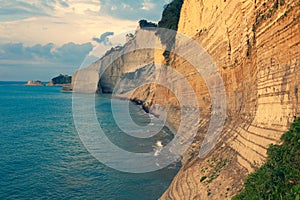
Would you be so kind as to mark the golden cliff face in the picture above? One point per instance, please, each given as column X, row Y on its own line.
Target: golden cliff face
column 255, row 45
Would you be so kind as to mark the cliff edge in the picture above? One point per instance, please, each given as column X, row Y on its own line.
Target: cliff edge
column 255, row 46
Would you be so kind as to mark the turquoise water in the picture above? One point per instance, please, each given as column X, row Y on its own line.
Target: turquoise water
column 42, row 157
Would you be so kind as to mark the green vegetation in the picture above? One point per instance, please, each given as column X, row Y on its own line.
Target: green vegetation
column 208, row 192
column 169, row 20
column 166, row 54
column 260, row 18
column 214, row 170
column 203, row 178
column 269, row 14
column 145, row 24
column 62, row 79
column 279, row 177
column 170, row 16
column 217, row 169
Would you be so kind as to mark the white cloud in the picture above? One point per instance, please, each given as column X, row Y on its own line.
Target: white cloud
column 147, row 5
column 113, row 8
column 81, row 7
column 47, row 60
column 77, row 23
column 61, row 22
column 126, row 6
column 68, row 54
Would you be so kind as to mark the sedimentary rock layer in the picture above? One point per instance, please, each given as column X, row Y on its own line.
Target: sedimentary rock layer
column 255, row 45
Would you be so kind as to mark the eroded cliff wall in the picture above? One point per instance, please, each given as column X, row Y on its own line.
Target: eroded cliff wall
column 105, row 74
column 255, row 45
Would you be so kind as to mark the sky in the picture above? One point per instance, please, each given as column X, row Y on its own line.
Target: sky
column 40, row 39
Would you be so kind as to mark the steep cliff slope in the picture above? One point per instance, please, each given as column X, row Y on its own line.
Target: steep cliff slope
column 104, row 75
column 255, row 45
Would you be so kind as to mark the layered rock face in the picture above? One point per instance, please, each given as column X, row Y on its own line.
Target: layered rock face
column 255, row 45
column 104, row 75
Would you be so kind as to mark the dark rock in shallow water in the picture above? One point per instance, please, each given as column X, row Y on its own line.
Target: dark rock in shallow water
column 67, row 88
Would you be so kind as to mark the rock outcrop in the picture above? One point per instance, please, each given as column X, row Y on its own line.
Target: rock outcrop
column 34, row 83
column 118, row 62
column 255, row 45
column 61, row 80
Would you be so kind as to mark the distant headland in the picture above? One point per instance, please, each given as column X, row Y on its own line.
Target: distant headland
column 61, row 80
column 34, row 83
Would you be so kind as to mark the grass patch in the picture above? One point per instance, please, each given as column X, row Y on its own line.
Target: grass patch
column 214, row 169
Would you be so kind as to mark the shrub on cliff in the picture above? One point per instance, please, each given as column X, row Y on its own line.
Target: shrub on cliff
column 279, row 177
column 145, row 24
column 169, row 20
column 171, row 14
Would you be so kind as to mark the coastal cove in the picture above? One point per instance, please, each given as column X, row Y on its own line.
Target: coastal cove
column 199, row 104
column 43, row 157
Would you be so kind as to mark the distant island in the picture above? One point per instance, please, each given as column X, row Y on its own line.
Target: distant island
column 61, row 80
column 34, row 83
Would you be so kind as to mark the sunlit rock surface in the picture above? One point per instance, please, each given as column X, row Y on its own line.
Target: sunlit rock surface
column 255, row 45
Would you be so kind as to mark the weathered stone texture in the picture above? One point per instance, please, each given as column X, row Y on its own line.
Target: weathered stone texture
column 255, row 45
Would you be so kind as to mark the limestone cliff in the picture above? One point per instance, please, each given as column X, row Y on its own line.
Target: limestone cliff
column 103, row 75
column 255, row 45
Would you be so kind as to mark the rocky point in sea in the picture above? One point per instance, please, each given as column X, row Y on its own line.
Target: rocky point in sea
column 34, row 83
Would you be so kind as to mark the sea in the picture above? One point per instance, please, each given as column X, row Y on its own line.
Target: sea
column 42, row 156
